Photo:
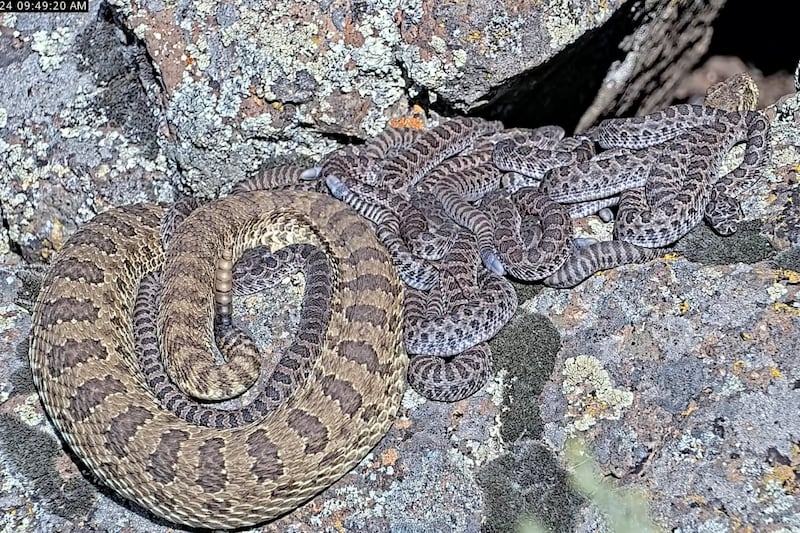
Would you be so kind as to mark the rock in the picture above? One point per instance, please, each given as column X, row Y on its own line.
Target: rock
column 78, row 131
column 663, row 41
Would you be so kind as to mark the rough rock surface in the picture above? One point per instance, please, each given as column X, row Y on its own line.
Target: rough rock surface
column 667, row 38
column 681, row 375
column 78, row 131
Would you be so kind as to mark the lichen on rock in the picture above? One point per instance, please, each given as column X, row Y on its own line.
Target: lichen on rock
column 590, row 393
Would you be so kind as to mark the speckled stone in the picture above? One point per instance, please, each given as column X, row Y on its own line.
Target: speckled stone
column 78, row 130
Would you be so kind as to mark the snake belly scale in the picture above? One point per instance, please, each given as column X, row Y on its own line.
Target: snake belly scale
column 84, row 365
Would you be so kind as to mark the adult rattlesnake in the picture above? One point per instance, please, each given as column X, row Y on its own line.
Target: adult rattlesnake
column 213, row 473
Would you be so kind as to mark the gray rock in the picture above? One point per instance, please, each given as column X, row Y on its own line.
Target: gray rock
column 78, row 128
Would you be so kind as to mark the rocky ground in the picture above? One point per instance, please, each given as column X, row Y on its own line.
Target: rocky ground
column 676, row 381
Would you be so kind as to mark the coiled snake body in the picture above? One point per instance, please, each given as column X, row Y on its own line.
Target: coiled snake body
column 213, row 474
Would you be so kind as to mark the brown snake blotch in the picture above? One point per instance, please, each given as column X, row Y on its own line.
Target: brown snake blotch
column 83, row 360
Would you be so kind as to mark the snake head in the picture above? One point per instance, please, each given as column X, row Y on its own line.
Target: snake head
column 337, row 187
column 493, row 263
column 311, row 174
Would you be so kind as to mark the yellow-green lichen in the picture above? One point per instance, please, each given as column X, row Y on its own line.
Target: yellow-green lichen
column 590, row 393
column 432, row 73
column 565, row 24
column 52, row 47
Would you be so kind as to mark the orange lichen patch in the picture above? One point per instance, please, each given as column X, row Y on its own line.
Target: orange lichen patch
column 414, row 120
column 389, row 457
column 775, row 373
column 403, row 423
column 408, row 122
column 671, row 257
column 745, row 336
column 474, row 36
column 690, row 409
column 739, row 366
column 683, row 307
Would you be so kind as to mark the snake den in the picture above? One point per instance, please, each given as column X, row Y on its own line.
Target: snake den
column 352, row 266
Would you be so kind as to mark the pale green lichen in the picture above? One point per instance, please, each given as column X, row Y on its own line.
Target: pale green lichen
column 590, row 393
column 565, row 24
column 775, row 499
column 198, row 51
column 459, row 58
column 8, row 20
column 690, row 448
column 776, row 291
column 438, row 44
column 375, row 55
column 52, row 47
column 412, row 10
column 29, row 411
column 433, row 73
column 260, row 125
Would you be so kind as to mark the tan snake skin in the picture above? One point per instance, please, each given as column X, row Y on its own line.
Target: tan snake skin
column 209, row 475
